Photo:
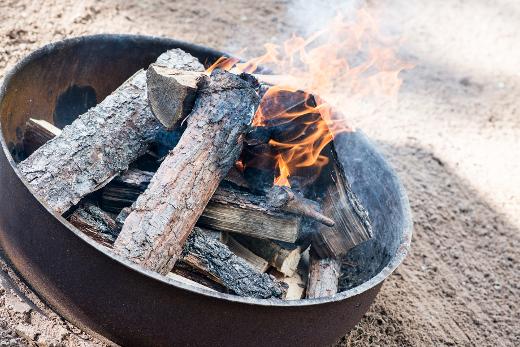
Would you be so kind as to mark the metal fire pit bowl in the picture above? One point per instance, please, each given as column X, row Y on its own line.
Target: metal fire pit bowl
column 112, row 298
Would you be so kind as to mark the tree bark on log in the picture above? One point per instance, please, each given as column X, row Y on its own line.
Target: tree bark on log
column 154, row 233
column 213, row 257
column 323, row 277
column 100, row 143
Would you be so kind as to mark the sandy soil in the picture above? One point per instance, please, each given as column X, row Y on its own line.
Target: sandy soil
column 454, row 138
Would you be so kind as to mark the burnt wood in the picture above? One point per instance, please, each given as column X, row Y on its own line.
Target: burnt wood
column 163, row 217
column 207, row 254
column 352, row 223
column 99, row 144
column 95, row 223
column 236, row 211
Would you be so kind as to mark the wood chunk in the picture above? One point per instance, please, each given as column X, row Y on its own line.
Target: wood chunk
column 258, row 263
column 171, row 93
column 165, row 214
column 285, row 199
column 209, row 255
column 99, row 144
column 240, row 212
column 95, row 223
column 352, row 222
column 296, row 285
column 323, row 277
column 37, row 133
column 284, row 258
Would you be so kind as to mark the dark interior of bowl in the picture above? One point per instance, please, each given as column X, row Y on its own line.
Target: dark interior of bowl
column 61, row 81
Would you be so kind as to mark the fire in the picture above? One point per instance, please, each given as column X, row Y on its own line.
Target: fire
column 316, row 76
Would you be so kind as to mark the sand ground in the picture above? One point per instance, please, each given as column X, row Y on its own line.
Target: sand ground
column 454, row 138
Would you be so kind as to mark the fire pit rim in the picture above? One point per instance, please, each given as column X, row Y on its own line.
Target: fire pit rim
column 395, row 261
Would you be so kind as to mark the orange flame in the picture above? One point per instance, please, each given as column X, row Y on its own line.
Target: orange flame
column 343, row 63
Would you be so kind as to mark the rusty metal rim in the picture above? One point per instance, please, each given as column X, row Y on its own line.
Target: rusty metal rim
column 395, row 261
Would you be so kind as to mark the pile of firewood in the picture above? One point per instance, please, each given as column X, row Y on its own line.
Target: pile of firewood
column 151, row 174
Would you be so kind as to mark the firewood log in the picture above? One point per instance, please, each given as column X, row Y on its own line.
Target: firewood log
column 296, row 285
column 257, row 262
column 209, row 255
column 164, row 87
column 229, row 210
column 232, row 210
column 95, row 223
column 323, row 277
column 188, row 281
column 187, row 271
column 99, row 144
column 37, row 133
column 352, row 223
column 165, row 214
column 284, row 258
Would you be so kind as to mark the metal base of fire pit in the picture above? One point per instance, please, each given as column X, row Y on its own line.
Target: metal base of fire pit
column 111, row 297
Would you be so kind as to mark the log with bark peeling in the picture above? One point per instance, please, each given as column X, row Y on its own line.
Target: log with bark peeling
column 165, row 214
column 323, row 277
column 207, row 254
column 101, row 143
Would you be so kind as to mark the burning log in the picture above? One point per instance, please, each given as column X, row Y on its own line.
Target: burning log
column 210, row 256
column 192, row 274
column 352, row 223
column 95, row 223
column 100, row 143
column 323, row 277
column 155, row 231
column 284, row 258
column 37, row 133
column 231, row 210
column 284, row 198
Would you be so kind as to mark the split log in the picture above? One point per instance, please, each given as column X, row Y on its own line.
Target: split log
column 99, row 144
column 296, row 285
column 229, row 210
column 213, row 257
column 164, row 88
column 37, row 133
column 284, row 258
column 235, row 211
column 257, row 262
column 323, row 277
column 352, row 223
column 155, row 231
column 95, row 223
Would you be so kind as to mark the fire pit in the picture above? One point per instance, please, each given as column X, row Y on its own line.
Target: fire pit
column 112, row 297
